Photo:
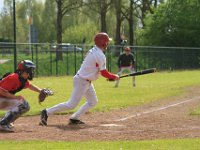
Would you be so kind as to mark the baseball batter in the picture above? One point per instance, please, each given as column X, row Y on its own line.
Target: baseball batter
column 126, row 61
column 9, row 86
column 93, row 65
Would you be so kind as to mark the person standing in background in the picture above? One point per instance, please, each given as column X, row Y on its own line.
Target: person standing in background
column 126, row 61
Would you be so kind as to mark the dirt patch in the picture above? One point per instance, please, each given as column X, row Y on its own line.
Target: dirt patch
column 134, row 123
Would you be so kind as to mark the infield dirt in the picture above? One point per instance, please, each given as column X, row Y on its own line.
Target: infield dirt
column 169, row 123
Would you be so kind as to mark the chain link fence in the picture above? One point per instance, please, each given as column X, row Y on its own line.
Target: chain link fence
column 60, row 60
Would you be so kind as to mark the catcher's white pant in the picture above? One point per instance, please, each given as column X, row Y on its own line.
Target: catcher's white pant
column 9, row 104
column 122, row 69
column 82, row 88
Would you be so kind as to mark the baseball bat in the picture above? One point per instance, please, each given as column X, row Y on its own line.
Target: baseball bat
column 147, row 71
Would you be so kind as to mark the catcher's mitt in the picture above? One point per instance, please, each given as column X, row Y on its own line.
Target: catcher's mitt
column 43, row 94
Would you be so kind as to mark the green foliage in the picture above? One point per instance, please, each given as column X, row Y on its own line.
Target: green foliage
column 22, row 26
column 45, row 21
column 6, row 29
column 76, row 34
column 175, row 23
column 47, row 28
column 22, row 23
column 74, row 18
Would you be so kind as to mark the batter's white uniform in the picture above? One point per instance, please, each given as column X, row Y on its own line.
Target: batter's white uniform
column 94, row 62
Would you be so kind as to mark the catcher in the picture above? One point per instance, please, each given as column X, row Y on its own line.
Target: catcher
column 10, row 84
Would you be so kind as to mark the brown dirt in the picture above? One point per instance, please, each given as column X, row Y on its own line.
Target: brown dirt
column 167, row 123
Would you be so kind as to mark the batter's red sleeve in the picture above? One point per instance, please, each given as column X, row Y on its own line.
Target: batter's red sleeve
column 107, row 74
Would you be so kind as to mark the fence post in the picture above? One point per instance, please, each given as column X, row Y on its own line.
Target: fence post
column 31, row 51
column 136, row 57
column 67, row 60
column 37, row 60
column 56, row 61
column 51, row 51
column 14, row 34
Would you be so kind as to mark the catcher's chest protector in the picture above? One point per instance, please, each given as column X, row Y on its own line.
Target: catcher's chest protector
column 22, row 81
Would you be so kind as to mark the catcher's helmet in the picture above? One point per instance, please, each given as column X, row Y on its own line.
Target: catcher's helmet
column 26, row 66
column 101, row 40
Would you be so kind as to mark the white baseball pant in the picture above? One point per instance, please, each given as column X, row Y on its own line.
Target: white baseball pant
column 82, row 88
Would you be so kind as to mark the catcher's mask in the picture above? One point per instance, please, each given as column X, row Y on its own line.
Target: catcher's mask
column 26, row 66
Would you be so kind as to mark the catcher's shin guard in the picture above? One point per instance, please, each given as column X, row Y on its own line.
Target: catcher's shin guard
column 6, row 128
column 8, row 118
column 15, row 113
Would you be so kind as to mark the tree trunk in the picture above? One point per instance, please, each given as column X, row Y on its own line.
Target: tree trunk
column 59, row 30
column 118, row 25
column 131, row 25
column 103, row 21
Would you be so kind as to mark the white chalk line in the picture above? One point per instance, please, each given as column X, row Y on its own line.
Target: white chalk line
column 110, row 130
column 111, row 125
column 157, row 109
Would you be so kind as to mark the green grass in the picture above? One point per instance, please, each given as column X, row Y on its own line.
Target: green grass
column 196, row 111
column 180, row 144
column 148, row 88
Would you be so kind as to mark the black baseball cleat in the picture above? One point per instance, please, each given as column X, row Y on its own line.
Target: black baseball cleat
column 43, row 118
column 75, row 122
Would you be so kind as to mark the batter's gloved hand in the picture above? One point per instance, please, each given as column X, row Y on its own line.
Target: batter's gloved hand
column 116, row 78
column 43, row 94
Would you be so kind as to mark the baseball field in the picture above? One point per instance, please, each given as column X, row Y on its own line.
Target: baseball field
column 160, row 113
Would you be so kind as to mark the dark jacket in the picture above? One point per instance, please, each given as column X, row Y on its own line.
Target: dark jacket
column 126, row 60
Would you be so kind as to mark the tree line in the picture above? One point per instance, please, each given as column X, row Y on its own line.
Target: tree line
column 140, row 22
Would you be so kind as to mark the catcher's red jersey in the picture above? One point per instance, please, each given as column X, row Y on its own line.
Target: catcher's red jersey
column 11, row 82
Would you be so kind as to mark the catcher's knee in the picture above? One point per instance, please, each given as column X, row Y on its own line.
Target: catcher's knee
column 15, row 113
column 23, row 108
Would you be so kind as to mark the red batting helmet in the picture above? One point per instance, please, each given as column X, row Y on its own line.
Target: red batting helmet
column 101, row 40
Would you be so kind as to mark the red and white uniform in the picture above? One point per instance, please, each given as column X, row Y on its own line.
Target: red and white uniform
column 10, row 83
column 93, row 64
